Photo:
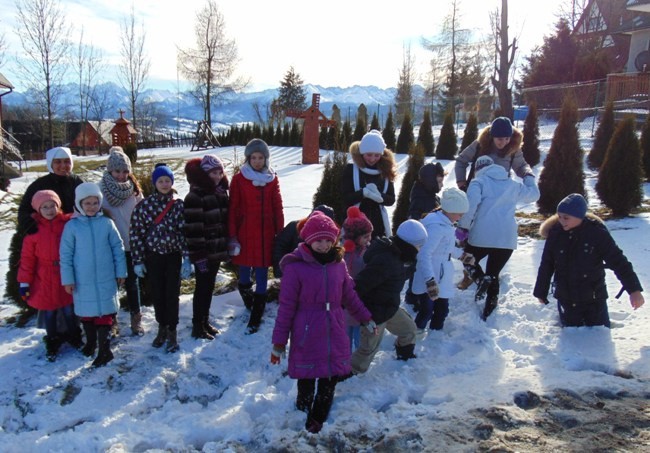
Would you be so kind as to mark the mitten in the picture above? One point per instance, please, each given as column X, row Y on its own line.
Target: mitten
column 24, row 291
column 371, row 326
column 467, row 259
column 234, row 247
column 277, row 353
column 186, row 268
column 461, row 234
column 432, row 289
column 201, row 266
column 371, row 192
column 139, row 270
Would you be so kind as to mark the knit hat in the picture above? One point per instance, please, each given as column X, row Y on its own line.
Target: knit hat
column 42, row 196
column 574, row 205
column 161, row 169
column 85, row 190
column 413, row 232
column 59, row 152
column 372, row 142
column 481, row 163
column 356, row 224
column 454, row 201
column 318, row 226
column 257, row 145
column 501, row 127
column 210, row 162
column 327, row 210
column 117, row 160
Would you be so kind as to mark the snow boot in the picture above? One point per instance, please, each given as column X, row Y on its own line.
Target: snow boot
column 212, row 330
column 490, row 304
column 482, row 287
column 466, row 282
column 313, row 426
column 161, row 336
column 199, row 330
column 52, row 344
column 259, row 303
column 136, row 324
column 247, row 295
column 172, row 344
column 91, row 338
column 405, row 352
column 104, row 354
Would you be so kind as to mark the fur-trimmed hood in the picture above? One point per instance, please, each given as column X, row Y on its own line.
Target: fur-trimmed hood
column 198, row 178
column 485, row 142
column 386, row 164
column 545, row 227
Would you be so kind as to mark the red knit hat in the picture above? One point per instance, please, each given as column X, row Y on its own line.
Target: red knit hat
column 356, row 224
column 318, row 226
column 42, row 196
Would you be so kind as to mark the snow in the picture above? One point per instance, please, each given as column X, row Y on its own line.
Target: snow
column 224, row 395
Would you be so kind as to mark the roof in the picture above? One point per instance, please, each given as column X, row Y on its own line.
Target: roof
column 5, row 84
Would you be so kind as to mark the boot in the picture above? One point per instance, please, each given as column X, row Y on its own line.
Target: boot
column 161, row 336
column 313, row 426
column 212, row 330
column 405, row 352
column 104, row 355
column 74, row 339
column 172, row 344
column 482, row 288
column 246, row 293
column 199, row 330
column 136, row 324
column 91, row 339
column 259, row 303
column 52, row 345
column 466, row 282
column 490, row 304
column 115, row 327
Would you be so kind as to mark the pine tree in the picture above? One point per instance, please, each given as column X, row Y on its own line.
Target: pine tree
column 286, row 135
column 471, row 132
column 406, row 137
column 374, row 123
column 425, row 135
column 329, row 190
column 277, row 137
column 645, row 147
column 345, row 139
column 530, row 147
column 620, row 177
column 322, row 138
column 388, row 133
column 604, row 134
column 359, row 130
column 292, row 94
column 563, row 172
column 333, row 138
column 294, row 136
column 415, row 162
column 448, row 142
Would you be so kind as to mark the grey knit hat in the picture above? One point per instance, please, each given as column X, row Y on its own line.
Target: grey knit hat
column 257, row 145
column 117, row 160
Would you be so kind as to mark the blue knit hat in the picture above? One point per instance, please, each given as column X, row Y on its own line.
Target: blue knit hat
column 161, row 170
column 574, row 205
column 501, row 127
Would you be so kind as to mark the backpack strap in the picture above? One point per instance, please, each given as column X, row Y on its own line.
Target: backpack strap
column 160, row 216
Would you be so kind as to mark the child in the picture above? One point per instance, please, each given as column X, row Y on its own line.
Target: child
column 255, row 218
column 357, row 233
column 93, row 265
column 39, row 273
column 206, row 229
column 433, row 280
column 578, row 249
column 315, row 286
column 424, row 193
column 160, row 250
column 122, row 192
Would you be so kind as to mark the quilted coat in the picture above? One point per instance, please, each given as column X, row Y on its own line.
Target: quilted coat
column 254, row 218
column 92, row 258
column 312, row 297
column 39, row 264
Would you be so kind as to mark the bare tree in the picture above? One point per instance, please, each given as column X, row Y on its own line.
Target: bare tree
column 571, row 11
column 88, row 65
column 135, row 65
column 43, row 32
column 504, row 57
column 211, row 65
column 3, row 49
column 404, row 95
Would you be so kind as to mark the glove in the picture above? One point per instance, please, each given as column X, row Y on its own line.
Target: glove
column 461, row 235
column 186, row 268
column 371, row 326
column 234, row 247
column 467, row 259
column 432, row 289
column 201, row 266
column 277, row 353
column 24, row 291
column 139, row 270
column 371, row 192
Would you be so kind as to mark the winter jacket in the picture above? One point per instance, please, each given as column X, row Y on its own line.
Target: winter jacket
column 312, row 297
column 92, row 259
column 434, row 258
column 389, row 263
column 255, row 217
column 121, row 216
column 493, row 199
column 285, row 242
column 163, row 238
column 576, row 260
column 64, row 187
column 510, row 157
column 424, row 193
column 206, row 225
column 39, row 264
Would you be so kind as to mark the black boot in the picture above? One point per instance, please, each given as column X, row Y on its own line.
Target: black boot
column 259, row 303
column 172, row 343
column 405, row 352
column 91, row 339
column 212, row 330
column 246, row 293
column 52, row 344
column 161, row 336
column 482, row 288
column 490, row 304
column 74, row 339
column 104, row 354
column 199, row 331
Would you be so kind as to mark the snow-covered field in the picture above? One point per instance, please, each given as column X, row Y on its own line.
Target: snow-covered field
column 458, row 395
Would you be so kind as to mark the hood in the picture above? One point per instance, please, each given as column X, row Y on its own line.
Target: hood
column 548, row 224
column 427, row 176
column 493, row 171
column 485, row 142
column 435, row 218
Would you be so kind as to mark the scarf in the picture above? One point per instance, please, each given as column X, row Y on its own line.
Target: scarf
column 258, row 178
column 116, row 193
column 357, row 186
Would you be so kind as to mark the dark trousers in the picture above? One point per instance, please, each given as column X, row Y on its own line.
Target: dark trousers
column 164, row 272
column 591, row 313
column 203, row 290
column 496, row 260
column 323, row 399
column 131, row 286
column 434, row 310
column 51, row 321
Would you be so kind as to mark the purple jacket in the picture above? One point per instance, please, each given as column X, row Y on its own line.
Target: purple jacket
column 312, row 297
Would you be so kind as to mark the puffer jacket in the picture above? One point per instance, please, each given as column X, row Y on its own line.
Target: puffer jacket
column 92, row 259
column 576, row 261
column 39, row 264
column 312, row 298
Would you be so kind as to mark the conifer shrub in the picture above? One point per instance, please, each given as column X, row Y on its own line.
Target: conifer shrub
column 530, row 147
column 425, row 135
column 329, row 189
column 447, row 143
column 415, row 162
column 470, row 133
column 388, row 133
column 604, row 134
column 406, row 137
column 131, row 150
column 645, row 147
column 374, row 123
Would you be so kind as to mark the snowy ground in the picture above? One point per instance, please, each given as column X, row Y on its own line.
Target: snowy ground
column 589, row 386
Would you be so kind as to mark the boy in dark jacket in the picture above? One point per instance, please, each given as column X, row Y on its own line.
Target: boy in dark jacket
column 578, row 249
column 389, row 263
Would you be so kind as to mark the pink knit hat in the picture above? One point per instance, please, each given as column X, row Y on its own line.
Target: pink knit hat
column 42, row 196
column 317, row 227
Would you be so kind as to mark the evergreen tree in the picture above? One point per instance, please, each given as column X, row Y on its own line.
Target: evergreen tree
column 604, row 134
column 374, row 123
column 388, row 134
column 406, row 137
column 620, row 177
column 425, row 135
column 322, row 138
column 329, row 190
column 345, row 139
column 563, row 172
column 292, row 94
column 530, row 147
column 415, row 162
column 286, row 135
column 470, row 133
column 333, row 138
column 294, row 138
column 645, row 147
column 277, row 137
column 448, row 142
column 359, row 130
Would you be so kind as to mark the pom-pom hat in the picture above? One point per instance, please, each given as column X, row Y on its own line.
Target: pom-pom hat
column 501, row 127
column 318, row 227
column 118, row 160
column 161, row 170
column 454, row 201
column 413, row 232
column 42, row 196
column 372, row 142
column 60, row 152
column 574, row 205
column 356, row 224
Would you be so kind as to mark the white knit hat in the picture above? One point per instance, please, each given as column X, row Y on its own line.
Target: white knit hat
column 59, row 152
column 85, row 190
column 482, row 162
column 413, row 232
column 454, row 201
column 372, row 142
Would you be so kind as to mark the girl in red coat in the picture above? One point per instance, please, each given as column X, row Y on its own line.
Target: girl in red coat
column 254, row 218
column 39, row 274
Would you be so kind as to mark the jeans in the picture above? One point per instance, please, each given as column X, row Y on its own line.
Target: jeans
column 261, row 277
